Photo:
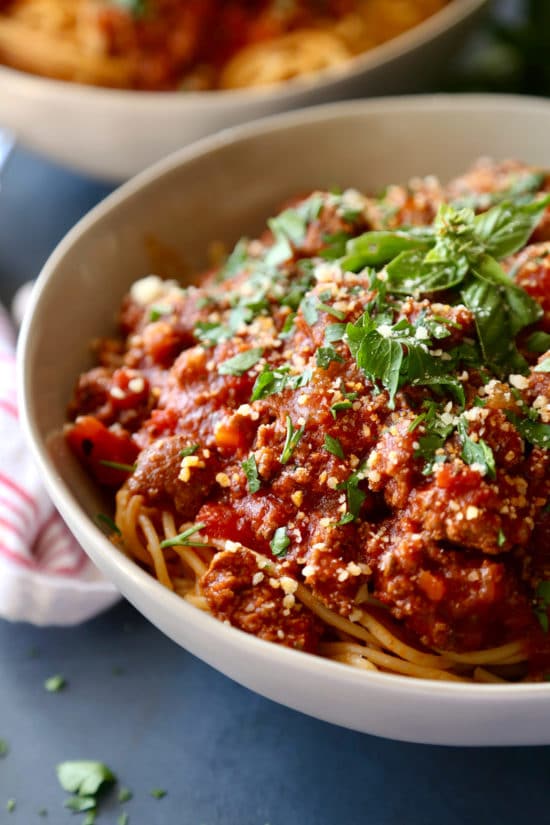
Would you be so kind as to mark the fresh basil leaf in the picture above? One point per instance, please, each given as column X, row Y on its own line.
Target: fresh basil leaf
column 538, row 342
column 534, row 432
column 507, row 227
column 242, row 362
column 333, row 445
column 380, row 247
column 280, row 542
column 489, row 305
column 335, row 332
column 409, row 274
column 84, row 778
column 251, row 472
column 335, row 247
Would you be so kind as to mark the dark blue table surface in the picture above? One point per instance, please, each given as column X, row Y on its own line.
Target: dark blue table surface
column 162, row 719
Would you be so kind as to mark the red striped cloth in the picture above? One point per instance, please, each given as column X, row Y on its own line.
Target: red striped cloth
column 45, row 576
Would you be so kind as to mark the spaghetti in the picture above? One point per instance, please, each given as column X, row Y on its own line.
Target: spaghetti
column 338, row 441
column 172, row 44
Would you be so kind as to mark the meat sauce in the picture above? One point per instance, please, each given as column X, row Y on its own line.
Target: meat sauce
column 428, row 493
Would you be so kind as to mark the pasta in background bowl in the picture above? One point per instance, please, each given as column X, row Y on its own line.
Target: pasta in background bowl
column 368, row 47
column 225, row 188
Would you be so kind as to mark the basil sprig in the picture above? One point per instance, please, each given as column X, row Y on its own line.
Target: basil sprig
column 461, row 250
column 395, row 355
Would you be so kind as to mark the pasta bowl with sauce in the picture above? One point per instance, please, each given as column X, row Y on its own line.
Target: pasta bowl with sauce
column 225, row 188
column 113, row 133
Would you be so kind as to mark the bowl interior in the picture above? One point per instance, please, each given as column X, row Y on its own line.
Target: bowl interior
column 220, row 190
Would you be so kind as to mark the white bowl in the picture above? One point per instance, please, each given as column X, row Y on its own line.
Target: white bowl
column 220, row 188
column 113, row 134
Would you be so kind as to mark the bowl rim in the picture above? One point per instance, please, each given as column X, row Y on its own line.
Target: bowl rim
column 309, row 665
column 429, row 29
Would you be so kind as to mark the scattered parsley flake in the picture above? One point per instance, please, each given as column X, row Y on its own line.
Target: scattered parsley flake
column 83, row 777
column 79, row 804
column 117, row 465
column 476, row 452
column 10, row 806
column 124, row 795
column 542, row 604
column 501, row 540
column 184, row 539
column 4, row 748
column 280, row 542
column 190, row 450
column 55, row 683
column 333, row 445
column 107, row 524
column 326, row 355
column 251, row 472
column 242, row 362
column 158, row 793
column 336, row 313
column 340, row 406
column 158, row 310
column 291, row 441
column 123, row 819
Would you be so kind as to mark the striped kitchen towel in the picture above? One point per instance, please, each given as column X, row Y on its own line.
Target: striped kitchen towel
column 45, row 576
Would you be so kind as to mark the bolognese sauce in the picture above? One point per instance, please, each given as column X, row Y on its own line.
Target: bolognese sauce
column 338, row 440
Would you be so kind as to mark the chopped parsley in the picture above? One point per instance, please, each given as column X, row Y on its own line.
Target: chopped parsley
column 332, row 445
column 10, row 805
column 4, row 748
column 535, row 432
column 501, row 539
column 78, row 804
column 157, row 311
column 340, row 406
column 107, row 524
column 190, row 450
column 476, row 452
column 124, row 795
column 542, row 604
column 354, row 495
column 117, row 465
column 55, row 683
column 84, row 778
column 123, row 819
column 251, row 472
column 185, row 539
column 271, row 381
column 326, row 355
column 292, row 439
column 280, row 542
column 242, row 362
column 158, row 793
